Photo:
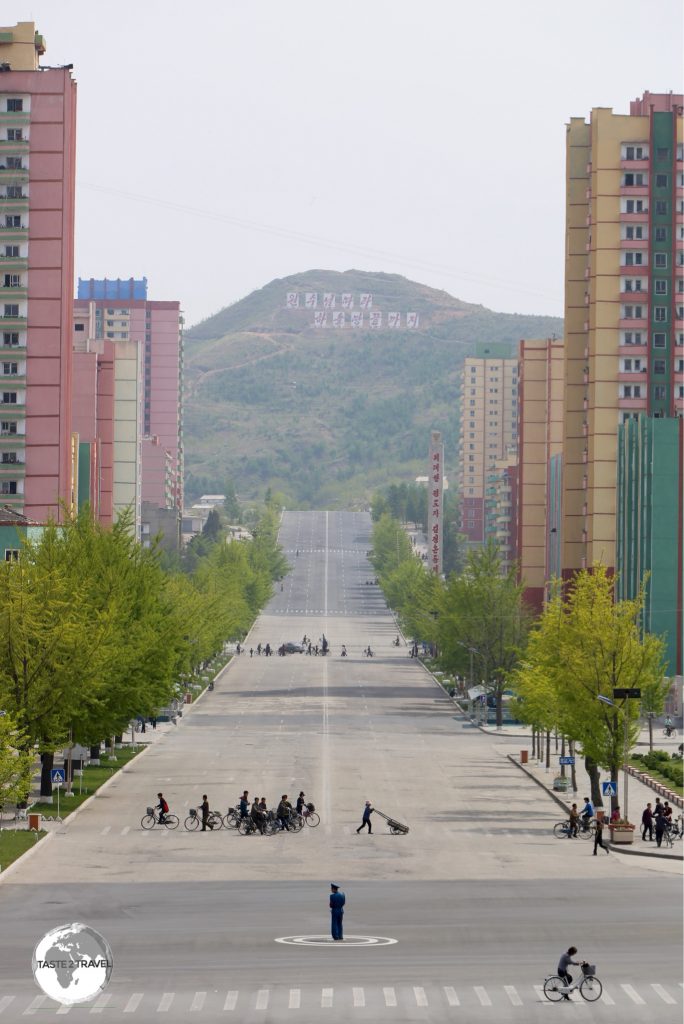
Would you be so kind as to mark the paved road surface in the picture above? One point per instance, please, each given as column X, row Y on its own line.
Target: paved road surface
column 479, row 896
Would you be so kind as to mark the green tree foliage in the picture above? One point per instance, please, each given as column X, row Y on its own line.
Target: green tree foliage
column 482, row 615
column 584, row 645
column 16, row 762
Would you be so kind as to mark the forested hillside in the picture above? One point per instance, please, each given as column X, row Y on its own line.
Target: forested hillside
column 326, row 414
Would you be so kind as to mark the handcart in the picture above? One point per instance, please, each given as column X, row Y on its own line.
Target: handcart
column 395, row 827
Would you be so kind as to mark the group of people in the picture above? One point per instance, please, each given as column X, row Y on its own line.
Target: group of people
column 259, row 650
column 658, row 819
column 259, row 811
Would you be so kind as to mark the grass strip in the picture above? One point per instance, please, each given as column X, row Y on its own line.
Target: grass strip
column 94, row 776
column 15, row 842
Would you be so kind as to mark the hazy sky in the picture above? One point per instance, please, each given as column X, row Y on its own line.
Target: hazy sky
column 227, row 142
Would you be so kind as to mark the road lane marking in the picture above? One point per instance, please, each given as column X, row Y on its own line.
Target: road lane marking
column 513, row 995
column 359, row 997
column 607, row 998
column 133, row 1003
column 231, row 1000
column 125, row 830
column 101, row 1002
column 390, row 996
column 4, row 1002
column 64, row 1008
column 419, row 995
column 198, row 1000
column 36, row 1003
column 633, row 994
column 452, row 998
column 295, row 999
column 262, row 999
column 165, row 1002
column 539, row 989
column 105, row 830
column 326, row 997
column 481, row 994
column 665, row 996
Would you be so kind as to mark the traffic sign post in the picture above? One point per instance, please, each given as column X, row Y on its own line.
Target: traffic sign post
column 608, row 788
column 57, row 777
column 566, row 760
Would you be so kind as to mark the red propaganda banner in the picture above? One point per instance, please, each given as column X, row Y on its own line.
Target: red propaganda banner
column 435, row 503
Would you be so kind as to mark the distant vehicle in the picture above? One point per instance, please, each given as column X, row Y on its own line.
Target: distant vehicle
column 291, row 648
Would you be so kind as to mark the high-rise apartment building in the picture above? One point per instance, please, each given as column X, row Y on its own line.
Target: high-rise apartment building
column 37, row 183
column 540, row 439
column 488, row 431
column 624, row 303
column 118, row 312
column 501, row 508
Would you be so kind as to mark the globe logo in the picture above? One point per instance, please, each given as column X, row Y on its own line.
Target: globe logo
column 72, row 963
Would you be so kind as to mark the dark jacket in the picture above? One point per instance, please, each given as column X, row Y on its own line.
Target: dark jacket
column 284, row 808
column 647, row 817
column 367, row 811
column 337, row 902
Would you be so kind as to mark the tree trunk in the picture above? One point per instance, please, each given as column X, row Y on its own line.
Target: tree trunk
column 499, row 707
column 95, row 753
column 548, row 748
column 562, row 767
column 594, row 781
column 534, row 741
column 573, row 772
column 47, row 761
column 650, row 733
column 555, row 734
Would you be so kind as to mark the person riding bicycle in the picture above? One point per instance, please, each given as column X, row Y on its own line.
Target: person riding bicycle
column 573, row 825
column 258, row 817
column 244, row 804
column 283, row 812
column 563, row 964
column 587, row 812
column 162, row 807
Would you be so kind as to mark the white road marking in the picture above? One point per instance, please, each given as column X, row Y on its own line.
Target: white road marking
column 326, row 997
column 4, row 1002
column 36, row 1003
column 452, row 998
column 231, row 1001
column 198, row 1000
column 607, row 998
column 420, row 997
column 133, row 1003
column 390, row 996
column 539, row 989
column 101, row 1002
column 295, row 999
column 633, row 994
column 165, row 1002
column 63, row 1009
column 481, row 994
column 359, row 997
column 105, row 830
column 665, row 996
column 125, row 830
column 262, row 999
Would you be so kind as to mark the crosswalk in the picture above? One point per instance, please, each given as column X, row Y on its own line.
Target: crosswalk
column 346, row 998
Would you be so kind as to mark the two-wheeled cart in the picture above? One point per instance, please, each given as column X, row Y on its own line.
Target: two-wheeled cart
column 395, row 827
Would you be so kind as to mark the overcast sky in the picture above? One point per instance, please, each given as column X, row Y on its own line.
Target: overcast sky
column 227, row 142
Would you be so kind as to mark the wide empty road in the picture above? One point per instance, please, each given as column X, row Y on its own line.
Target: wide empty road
column 479, row 897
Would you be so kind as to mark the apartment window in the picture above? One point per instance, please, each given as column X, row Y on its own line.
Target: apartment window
column 8, row 427
column 8, row 487
column 633, row 312
column 680, row 391
column 662, row 153
column 661, row 234
column 471, row 458
column 633, row 179
column 627, row 391
column 634, row 284
column 679, row 312
column 110, row 312
column 9, row 458
column 680, row 366
column 11, row 310
column 472, row 390
column 632, row 338
column 11, row 281
column 627, row 365
column 659, row 340
column 634, row 206
column 10, row 369
column 10, row 339
column 79, row 327
column 661, row 180
column 661, row 207
column 14, row 163
column 15, row 192
column 680, row 283
column 635, row 153
column 659, row 392
column 110, row 334
column 659, row 366
column 660, row 314
column 110, row 323
column 472, row 401
column 15, row 134
column 15, row 105
column 680, row 339
column 633, row 231
column 12, row 221
column 12, row 251
column 660, row 287
column 634, row 259
column 472, row 424
column 9, row 397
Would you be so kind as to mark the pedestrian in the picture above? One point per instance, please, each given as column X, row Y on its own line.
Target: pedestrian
column 301, row 800
column 153, row 721
column 598, row 836
column 337, row 901
column 660, row 823
column 615, row 816
column 259, row 649
column 574, row 822
column 141, row 723
column 283, row 812
column 647, row 824
column 244, row 804
column 257, row 817
column 668, row 811
column 204, row 807
column 367, row 811
column 251, row 652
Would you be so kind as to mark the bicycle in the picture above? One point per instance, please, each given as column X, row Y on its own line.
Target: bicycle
column 590, row 988
column 151, row 819
column 194, row 820
column 311, row 818
column 585, row 830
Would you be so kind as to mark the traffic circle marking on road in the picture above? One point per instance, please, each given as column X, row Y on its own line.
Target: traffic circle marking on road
column 327, row 940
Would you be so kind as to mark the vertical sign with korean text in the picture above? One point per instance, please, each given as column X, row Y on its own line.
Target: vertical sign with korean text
column 435, row 504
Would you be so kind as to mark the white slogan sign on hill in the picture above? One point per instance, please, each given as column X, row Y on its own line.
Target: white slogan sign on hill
column 340, row 311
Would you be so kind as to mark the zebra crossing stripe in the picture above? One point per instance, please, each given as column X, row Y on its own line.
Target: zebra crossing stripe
column 64, row 1008
column 607, row 998
column 513, row 995
column 295, row 999
column 665, row 996
column 633, row 995
column 36, row 1003
column 451, row 996
column 326, row 997
column 198, row 1000
column 390, row 996
column 262, row 999
column 231, row 1001
column 133, row 1003
column 165, row 1002
column 100, row 1003
column 481, row 994
column 421, row 998
column 358, row 997
column 4, row 1002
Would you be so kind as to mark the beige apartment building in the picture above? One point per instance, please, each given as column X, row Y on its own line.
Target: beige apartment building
column 488, row 432
column 624, row 304
column 540, row 444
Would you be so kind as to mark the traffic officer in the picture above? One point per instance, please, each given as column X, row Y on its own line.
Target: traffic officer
column 337, row 901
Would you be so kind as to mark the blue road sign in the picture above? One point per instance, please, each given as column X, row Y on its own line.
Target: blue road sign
column 609, row 789
column 566, row 760
column 57, row 775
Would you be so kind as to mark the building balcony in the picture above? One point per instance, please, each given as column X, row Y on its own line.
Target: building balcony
column 633, row 325
column 634, row 243
column 15, row 117
column 13, row 441
column 634, row 296
column 632, row 376
column 13, row 470
column 7, row 323
column 14, row 175
column 13, row 234
column 634, row 218
column 631, row 403
column 9, row 263
column 634, row 190
column 9, row 294
column 10, row 205
column 13, row 500
column 13, row 147
column 634, row 350
column 10, row 378
column 634, row 165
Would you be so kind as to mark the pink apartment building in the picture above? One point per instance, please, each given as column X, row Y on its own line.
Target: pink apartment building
column 37, row 182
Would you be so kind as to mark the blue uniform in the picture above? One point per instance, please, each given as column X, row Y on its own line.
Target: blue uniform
column 337, row 901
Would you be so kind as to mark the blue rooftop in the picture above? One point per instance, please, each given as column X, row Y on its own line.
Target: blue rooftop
column 116, row 288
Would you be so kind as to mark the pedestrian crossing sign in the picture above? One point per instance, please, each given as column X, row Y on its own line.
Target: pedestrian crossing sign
column 57, row 776
column 609, row 789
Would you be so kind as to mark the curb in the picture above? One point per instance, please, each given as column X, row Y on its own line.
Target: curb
column 614, row 848
column 24, row 857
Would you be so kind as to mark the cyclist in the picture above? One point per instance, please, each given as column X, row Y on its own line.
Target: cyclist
column 283, row 812
column 244, row 804
column 587, row 813
column 162, row 807
column 257, row 817
column 563, row 964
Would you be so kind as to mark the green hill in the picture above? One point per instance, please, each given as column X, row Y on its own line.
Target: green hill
column 323, row 413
